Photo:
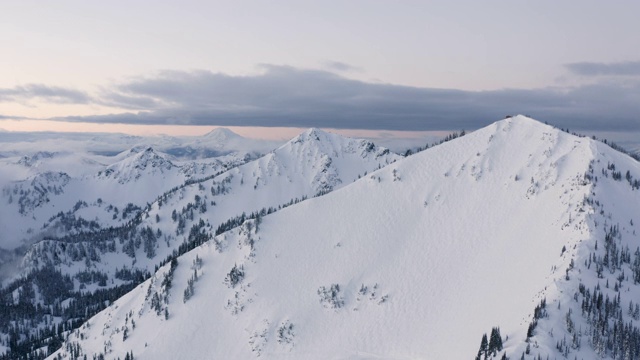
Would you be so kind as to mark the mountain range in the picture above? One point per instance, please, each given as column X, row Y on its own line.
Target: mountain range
column 118, row 224
column 515, row 241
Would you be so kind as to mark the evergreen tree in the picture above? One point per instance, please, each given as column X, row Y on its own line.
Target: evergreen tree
column 495, row 341
column 484, row 347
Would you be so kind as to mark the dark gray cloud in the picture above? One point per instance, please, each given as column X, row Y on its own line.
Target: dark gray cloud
column 52, row 94
column 287, row 96
column 628, row 68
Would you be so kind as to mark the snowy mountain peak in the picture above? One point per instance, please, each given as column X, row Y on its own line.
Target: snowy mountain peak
column 221, row 135
column 34, row 159
column 149, row 157
column 329, row 143
column 146, row 161
column 523, row 120
column 520, row 117
column 134, row 151
column 326, row 159
column 312, row 134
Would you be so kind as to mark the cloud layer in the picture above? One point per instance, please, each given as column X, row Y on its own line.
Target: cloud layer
column 628, row 68
column 292, row 97
column 51, row 94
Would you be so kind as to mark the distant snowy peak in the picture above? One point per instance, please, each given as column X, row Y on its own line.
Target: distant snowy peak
column 35, row 159
column 314, row 135
column 137, row 150
column 216, row 143
column 221, row 135
column 135, row 166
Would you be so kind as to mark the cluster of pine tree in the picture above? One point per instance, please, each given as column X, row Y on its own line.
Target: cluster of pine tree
column 610, row 332
column 489, row 347
column 330, row 297
column 31, row 326
column 35, row 329
column 617, row 175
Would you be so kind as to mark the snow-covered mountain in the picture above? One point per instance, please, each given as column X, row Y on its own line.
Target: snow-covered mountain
column 218, row 142
column 93, row 192
column 39, row 184
column 311, row 164
column 224, row 139
column 140, row 163
column 100, row 248
column 517, row 228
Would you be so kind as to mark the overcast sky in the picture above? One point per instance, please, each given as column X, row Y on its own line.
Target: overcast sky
column 376, row 65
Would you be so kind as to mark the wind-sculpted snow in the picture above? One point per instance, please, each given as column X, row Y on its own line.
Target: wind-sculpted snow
column 496, row 229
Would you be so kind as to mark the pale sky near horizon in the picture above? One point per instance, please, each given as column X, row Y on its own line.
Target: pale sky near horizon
column 375, row 65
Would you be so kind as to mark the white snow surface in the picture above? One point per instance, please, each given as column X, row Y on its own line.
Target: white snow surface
column 448, row 243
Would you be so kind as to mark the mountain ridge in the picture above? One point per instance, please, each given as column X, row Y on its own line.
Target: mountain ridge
column 293, row 171
column 411, row 235
column 517, row 226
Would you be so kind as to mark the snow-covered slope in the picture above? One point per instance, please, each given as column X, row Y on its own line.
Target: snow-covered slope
column 313, row 163
column 79, row 261
column 416, row 260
